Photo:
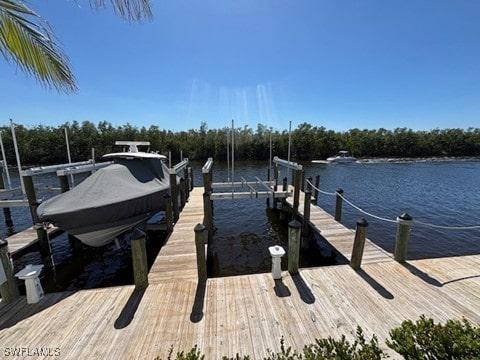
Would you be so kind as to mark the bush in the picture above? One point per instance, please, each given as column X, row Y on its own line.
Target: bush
column 427, row 340
column 423, row 340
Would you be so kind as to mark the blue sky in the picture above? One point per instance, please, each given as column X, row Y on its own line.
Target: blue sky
column 340, row 64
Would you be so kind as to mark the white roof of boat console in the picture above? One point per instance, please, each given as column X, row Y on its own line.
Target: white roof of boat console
column 136, row 155
column 133, row 151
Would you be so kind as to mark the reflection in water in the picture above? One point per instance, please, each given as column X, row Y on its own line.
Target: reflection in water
column 235, row 251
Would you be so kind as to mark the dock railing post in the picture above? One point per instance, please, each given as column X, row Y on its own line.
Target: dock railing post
column 8, row 289
column 208, row 215
column 338, row 205
column 45, row 250
column 306, row 213
column 139, row 259
column 200, row 248
column 294, row 233
column 404, row 224
column 168, row 212
column 359, row 244
column 317, row 186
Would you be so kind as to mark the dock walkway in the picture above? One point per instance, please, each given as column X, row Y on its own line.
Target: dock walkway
column 339, row 236
column 21, row 241
column 240, row 314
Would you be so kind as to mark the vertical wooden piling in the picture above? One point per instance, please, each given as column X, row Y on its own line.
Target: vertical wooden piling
column 302, row 181
column 168, row 212
column 200, row 248
column 359, row 244
column 64, row 185
column 190, row 178
column 285, row 184
column 208, row 215
column 338, row 205
column 404, row 223
column 43, row 241
column 275, row 175
column 315, row 190
column 294, row 233
column 183, row 193
column 207, row 178
column 6, row 211
column 9, row 289
column 139, row 259
column 306, row 213
column 297, row 186
column 187, row 182
column 174, row 193
column 309, row 184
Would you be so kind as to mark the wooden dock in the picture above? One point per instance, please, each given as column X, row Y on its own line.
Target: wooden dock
column 337, row 235
column 240, row 314
column 21, row 241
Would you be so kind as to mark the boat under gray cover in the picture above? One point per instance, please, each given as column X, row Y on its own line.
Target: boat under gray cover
column 110, row 201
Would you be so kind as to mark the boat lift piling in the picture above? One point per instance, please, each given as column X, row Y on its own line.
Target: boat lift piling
column 6, row 210
column 177, row 188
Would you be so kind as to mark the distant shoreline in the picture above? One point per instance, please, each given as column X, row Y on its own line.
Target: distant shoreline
column 401, row 160
column 418, row 159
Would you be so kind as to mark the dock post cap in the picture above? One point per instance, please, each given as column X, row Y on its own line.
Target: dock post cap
column 199, row 227
column 138, row 234
column 294, row 224
column 339, row 191
column 362, row 222
column 404, row 218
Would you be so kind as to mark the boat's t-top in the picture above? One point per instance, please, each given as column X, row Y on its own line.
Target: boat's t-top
column 133, row 151
column 133, row 145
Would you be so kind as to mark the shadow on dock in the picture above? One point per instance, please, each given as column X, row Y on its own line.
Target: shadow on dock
column 422, row 275
column 281, row 290
column 197, row 310
column 129, row 310
column 303, row 290
column 375, row 285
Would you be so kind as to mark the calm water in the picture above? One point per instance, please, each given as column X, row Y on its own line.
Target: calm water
column 439, row 193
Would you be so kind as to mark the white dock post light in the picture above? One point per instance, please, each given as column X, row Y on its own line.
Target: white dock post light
column 277, row 252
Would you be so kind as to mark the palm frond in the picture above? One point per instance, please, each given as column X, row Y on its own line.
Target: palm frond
column 131, row 10
column 26, row 39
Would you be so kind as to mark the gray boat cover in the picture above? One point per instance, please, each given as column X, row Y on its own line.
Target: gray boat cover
column 126, row 189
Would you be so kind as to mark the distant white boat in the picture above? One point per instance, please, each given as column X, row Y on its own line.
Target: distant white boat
column 342, row 157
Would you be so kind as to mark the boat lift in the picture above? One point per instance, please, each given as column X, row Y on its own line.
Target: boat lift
column 256, row 189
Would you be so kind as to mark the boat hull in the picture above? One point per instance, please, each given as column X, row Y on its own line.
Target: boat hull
column 102, row 235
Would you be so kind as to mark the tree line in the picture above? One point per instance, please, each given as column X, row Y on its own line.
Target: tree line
column 43, row 145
